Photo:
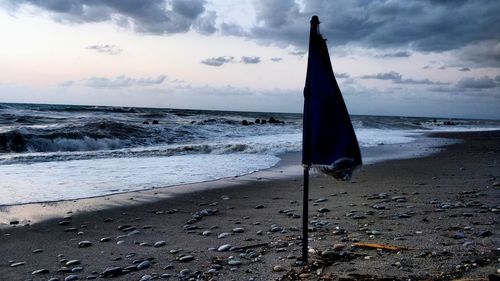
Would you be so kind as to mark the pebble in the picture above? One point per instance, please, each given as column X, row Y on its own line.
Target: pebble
column 457, row 235
column 112, row 272
column 323, row 210
column 143, row 265
column 105, row 239
column 159, row 244
column 320, row 200
column 146, row 277
column 72, row 262
column 77, row 269
column 224, row 248
column 234, row 262
column 207, row 233
column 238, row 230
column 14, row 222
column 260, row 206
column 485, row 233
column 223, row 235
column 16, row 264
column 278, row 268
column 338, row 247
column 186, row 258
column 40, row 271
column 71, row 277
column 185, row 272
column 36, row 251
column 84, row 244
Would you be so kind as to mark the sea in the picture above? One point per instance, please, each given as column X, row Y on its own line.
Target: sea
column 63, row 152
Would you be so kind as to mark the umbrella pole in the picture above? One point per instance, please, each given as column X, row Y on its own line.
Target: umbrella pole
column 305, row 215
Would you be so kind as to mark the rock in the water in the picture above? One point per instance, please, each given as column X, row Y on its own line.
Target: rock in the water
column 84, row 244
column 40, row 271
column 112, row 272
column 224, row 248
column 160, row 244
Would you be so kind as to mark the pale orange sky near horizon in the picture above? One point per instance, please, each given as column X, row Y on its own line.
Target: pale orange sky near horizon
column 52, row 61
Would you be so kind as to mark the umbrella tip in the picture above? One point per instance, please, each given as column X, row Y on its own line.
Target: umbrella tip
column 315, row 20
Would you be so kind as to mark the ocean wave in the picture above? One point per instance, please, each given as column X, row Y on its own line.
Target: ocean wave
column 90, row 136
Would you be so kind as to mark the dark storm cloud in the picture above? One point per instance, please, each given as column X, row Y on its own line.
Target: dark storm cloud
column 250, row 60
column 397, row 78
column 218, row 61
column 152, row 16
column 105, row 48
column 422, row 26
column 484, row 82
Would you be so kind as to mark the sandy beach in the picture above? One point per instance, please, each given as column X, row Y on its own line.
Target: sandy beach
column 437, row 214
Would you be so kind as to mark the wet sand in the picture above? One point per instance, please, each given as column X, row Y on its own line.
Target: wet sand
column 440, row 212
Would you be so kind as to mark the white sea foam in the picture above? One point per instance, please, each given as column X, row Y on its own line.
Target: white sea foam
column 52, row 152
column 64, row 180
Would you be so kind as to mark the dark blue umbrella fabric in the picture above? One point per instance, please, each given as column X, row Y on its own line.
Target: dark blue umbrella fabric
column 329, row 141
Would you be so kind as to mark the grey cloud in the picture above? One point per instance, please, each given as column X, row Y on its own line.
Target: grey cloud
column 342, row 75
column 400, row 54
column 424, row 26
column 484, row 82
column 276, row 59
column 152, row 16
column 250, row 60
column 218, row 61
column 497, row 78
column 298, row 53
column 397, row 78
column 384, row 76
column 464, row 69
column 105, row 48
column 123, row 81
column 206, row 24
column 482, row 54
column 232, row 29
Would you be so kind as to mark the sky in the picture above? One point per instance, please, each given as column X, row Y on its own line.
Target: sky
column 434, row 58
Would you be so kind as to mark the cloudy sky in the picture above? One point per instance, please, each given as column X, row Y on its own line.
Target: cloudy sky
column 412, row 58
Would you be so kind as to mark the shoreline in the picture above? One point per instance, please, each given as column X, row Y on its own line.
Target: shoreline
column 440, row 210
column 289, row 166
